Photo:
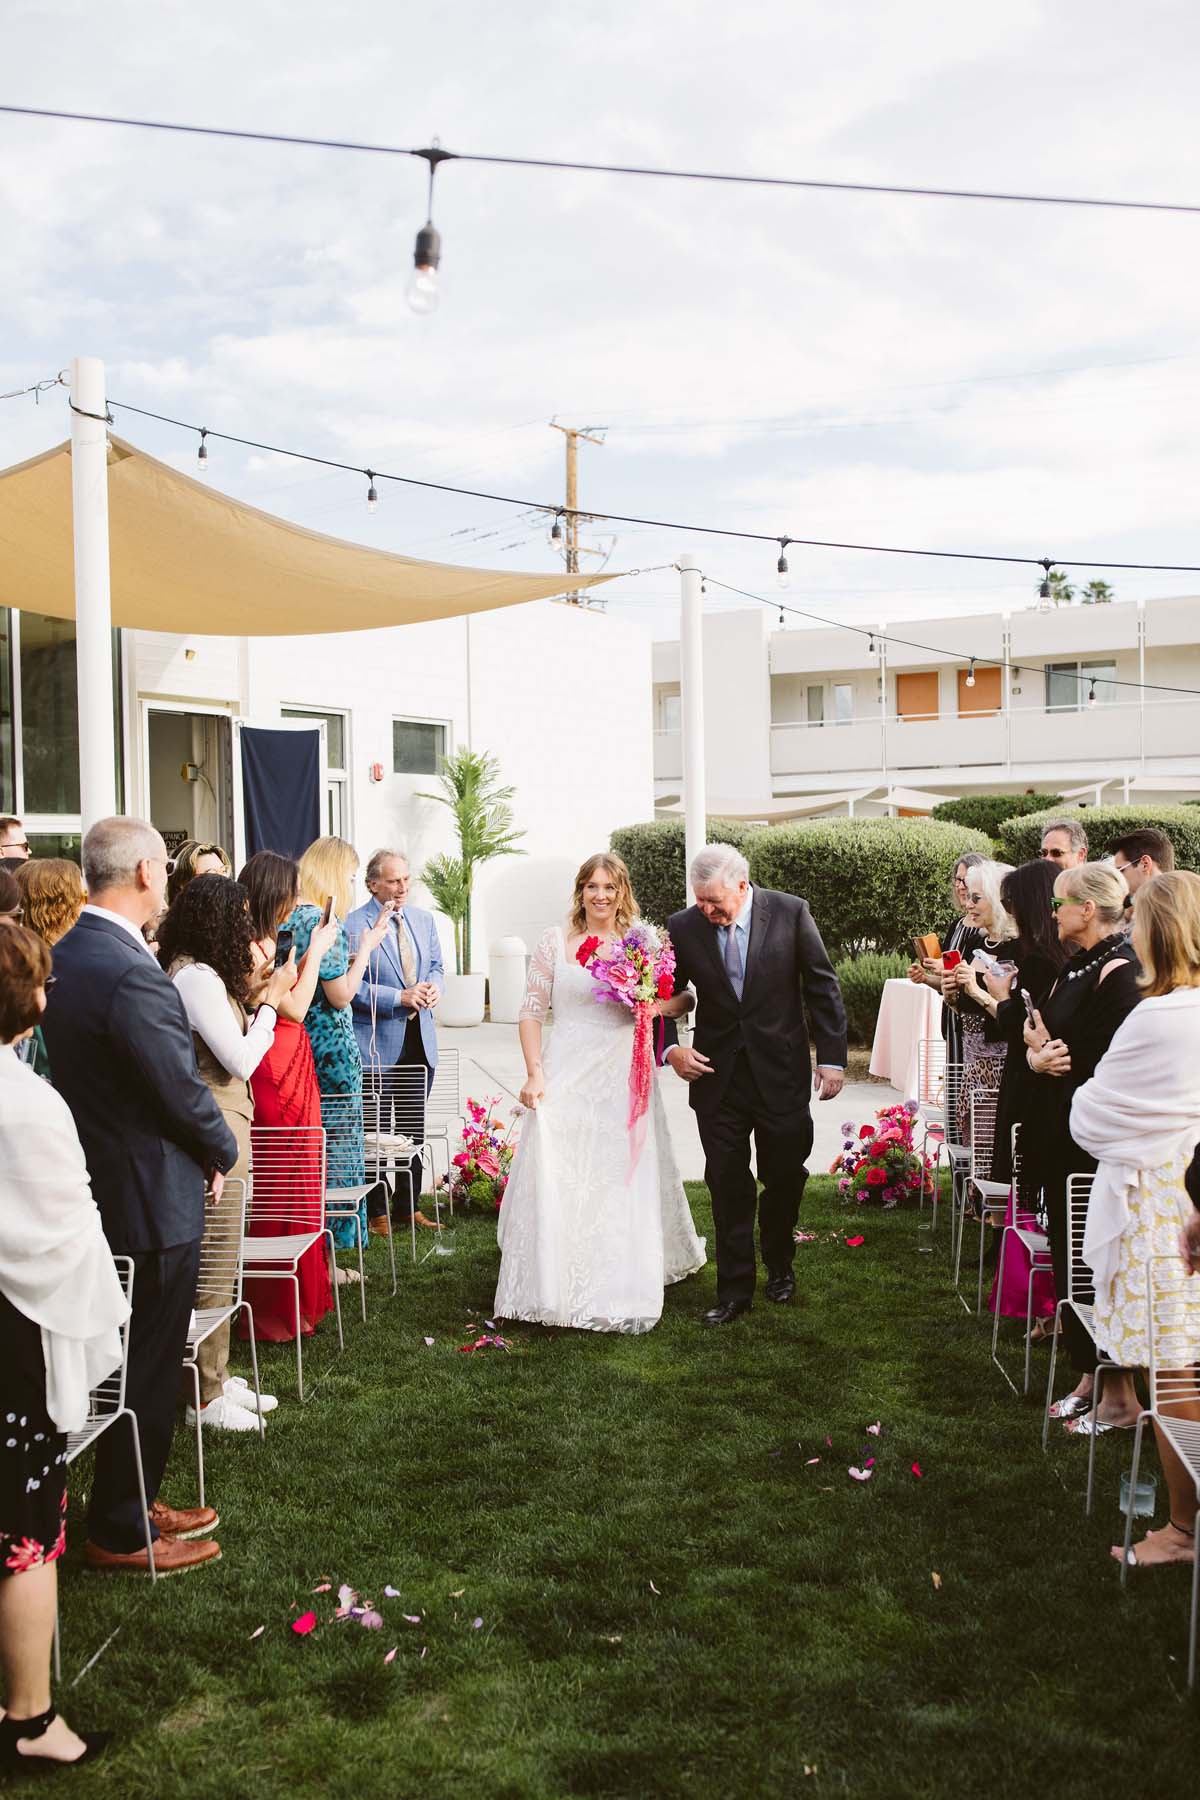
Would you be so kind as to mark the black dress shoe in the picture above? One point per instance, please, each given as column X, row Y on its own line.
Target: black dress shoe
column 781, row 1287
column 721, row 1315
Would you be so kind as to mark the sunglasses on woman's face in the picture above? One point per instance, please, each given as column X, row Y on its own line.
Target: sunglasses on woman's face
column 1056, row 902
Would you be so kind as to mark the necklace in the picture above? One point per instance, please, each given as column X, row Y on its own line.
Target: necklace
column 1105, row 951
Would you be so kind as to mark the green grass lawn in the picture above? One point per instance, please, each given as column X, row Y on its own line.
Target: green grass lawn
column 674, row 1599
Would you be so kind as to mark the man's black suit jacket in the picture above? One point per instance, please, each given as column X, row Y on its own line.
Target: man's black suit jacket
column 787, row 969
column 122, row 1057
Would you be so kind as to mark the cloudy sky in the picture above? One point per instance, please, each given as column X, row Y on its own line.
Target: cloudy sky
column 956, row 375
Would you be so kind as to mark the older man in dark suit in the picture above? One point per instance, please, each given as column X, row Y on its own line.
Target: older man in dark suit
column 756, row 961
column 121, row 1055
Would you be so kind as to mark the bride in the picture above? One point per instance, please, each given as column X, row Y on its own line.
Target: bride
column 585, row 1241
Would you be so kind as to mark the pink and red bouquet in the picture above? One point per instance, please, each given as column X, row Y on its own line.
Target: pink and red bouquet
column 482, row 1165
column 636, row 971
column 878, row 1164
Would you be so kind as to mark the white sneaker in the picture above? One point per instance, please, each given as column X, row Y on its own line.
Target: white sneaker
column 223, row 1415
column 238, row 1389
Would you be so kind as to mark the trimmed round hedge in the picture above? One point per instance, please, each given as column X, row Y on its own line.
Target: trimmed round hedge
column 872, row 884
column 987, row 812
column 1021, row 839
column 861, row 980
column 655, row 856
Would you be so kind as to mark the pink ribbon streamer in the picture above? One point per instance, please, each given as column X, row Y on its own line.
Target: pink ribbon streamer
column 641, row 1076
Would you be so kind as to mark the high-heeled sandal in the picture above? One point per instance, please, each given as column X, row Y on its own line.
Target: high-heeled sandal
column 16, row 1731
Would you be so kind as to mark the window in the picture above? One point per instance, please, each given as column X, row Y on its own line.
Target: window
column 337, row 765
column 417, row 745
column 1069, row 685
column 670, row 709
column 816, row 705
column 843, row 703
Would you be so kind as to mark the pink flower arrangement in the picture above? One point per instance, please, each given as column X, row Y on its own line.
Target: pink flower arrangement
column 878, row 1162
column 485, row 1159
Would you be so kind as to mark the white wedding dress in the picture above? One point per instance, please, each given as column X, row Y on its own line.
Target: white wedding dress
column 583, row 1242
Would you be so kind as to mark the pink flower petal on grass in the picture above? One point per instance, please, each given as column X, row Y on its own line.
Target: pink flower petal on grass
column 916, row 1469
column 391, row 1593
column 372, row 1621
column 811, row 1461
column 861, row 1474
column 429, row 1341
column 854, row 1242
column 412, row 1618
column 258, row 1633
column 323, row 1587
column 346, row 1596
column 391, row 1655
column 304, row 1624
column 875, row 1429
column 476, row 1624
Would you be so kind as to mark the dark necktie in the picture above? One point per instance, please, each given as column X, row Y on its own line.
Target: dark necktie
column 733, row 960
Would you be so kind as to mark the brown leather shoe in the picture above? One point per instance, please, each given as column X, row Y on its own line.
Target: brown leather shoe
column 429, row 1224
column 379, row 1226
column 171, row 1557
column 184, row 1521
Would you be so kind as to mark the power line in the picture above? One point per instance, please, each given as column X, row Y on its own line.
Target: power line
column 595, row 168
column 757, row 537
column 890, row 637
column 38, row 388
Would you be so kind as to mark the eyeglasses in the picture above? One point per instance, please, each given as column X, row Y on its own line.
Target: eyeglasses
column 1055, row 902
column 1051, row 855
column 974, row 899
column 16, row 844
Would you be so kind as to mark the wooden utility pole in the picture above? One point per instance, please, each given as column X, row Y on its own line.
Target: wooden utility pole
column 591, row 434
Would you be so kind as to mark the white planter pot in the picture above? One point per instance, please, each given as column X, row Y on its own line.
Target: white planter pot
column 461, row 1003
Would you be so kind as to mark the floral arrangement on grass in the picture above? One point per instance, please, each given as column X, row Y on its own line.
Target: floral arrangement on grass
column 482, row 1165
column 637, row 971
column 878, row 1164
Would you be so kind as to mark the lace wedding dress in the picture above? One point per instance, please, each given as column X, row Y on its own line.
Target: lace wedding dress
column 583, row 1242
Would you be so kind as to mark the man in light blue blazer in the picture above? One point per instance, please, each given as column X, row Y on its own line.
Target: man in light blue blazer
column 393, row 1008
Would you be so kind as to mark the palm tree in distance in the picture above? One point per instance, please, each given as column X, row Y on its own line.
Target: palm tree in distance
column 1097, row 593
column 1061, row 591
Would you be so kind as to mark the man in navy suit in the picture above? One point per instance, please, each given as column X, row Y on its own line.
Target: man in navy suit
column 122, row 1057
column 393, row 1008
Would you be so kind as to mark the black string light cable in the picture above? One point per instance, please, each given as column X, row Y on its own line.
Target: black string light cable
column 880, row 639
column 597, row 168
column 1044, row 563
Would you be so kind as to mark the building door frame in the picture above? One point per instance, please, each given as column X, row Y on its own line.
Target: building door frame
column 146, row 704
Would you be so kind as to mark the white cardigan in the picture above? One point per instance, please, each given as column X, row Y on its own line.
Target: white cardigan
column 55, row 1263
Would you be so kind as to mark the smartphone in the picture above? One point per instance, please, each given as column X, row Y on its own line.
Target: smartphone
column 951, row 960
column 328, row 913
column 283, row 946
column 1028, row 1006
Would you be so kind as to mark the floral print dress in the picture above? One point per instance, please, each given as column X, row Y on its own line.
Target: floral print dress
column 339, row 1072
column 33, row 1452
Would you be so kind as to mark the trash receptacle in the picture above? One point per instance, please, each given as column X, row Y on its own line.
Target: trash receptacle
column 506, row 979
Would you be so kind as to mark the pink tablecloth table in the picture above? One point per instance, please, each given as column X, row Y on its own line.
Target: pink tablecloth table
column 907, row 1013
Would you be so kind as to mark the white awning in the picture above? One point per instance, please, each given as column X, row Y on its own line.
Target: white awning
column 770, row 812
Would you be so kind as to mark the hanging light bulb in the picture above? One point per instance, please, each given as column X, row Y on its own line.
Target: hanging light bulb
column 971, row 674
column 782, row 578
column 372, row 496
column 202, row 453
column 556, row 532
column 1091, row 699
column 871, row 643
column 423, row 291
column 1044, row 589
column 782, row 620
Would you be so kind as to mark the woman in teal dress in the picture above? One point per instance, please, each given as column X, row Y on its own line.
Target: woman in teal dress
column 328, row 868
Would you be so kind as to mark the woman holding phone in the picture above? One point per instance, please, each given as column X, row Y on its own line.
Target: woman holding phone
column 284, row 1089
column 327, row 871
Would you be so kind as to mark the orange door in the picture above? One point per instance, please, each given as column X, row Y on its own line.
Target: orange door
column 981, row 700
column 917, row 695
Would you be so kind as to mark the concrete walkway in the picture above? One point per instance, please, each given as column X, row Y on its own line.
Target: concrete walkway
column 492, row 1064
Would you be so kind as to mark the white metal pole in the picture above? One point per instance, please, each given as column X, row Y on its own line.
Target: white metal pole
column 691, row 686
column 93, row 605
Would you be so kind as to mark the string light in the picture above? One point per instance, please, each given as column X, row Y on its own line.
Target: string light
column 372, row 496
column 556, row 532
column 202, row 453
column 423, row 291
column 871, row 645
column 1091, row 699
column 971, row 674
column 782, row 578
column 1044, row 589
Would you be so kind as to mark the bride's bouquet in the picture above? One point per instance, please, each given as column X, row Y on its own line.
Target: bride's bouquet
column 636, row 971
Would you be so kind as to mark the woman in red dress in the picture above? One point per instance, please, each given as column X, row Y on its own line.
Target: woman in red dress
column 284, row 1087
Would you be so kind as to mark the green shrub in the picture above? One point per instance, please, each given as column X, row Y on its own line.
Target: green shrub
column 861, row 979
column 655, row 856
column 1021, row 839
column 872, row 884
column 987, row 812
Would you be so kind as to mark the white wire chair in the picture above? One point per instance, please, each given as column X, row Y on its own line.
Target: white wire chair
column 991, row 1197
column 949, row 1149
column 287, row 1189
column 342, row 1116
column 106, row 1405
column 1022, row 1229
column 1080, row 1299
column 395, row 1106
column 220, row 1273
column 1171, row 1390
column 931, row 1110
column 444, row 1110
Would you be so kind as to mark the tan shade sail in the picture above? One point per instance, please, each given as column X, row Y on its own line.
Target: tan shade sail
column 187, row 558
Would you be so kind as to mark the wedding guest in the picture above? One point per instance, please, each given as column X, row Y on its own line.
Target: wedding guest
column 327, row 871
column 982, row 1057
column 205, row 947
column 1093, row 994
column 52, row 897
column 14, row 845
column 958, row 936
column 10, row 899
column 61, row 1309
column 1138, row 856
column 121, row 1052
column 1139, row 1116
column 285, row 1093
column 191, row 859
column 1064, row 842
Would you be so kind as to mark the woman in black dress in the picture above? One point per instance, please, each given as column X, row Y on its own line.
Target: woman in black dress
column 61, row 1307
column 1095, row 990
column 959, row 936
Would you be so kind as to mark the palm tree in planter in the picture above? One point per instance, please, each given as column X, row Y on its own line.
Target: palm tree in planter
column 483, row 821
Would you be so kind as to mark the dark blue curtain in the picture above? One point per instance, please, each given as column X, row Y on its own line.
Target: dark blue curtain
column 281, row 789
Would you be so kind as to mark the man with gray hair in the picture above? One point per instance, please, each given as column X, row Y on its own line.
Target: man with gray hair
column 1064, row 843
column 122, row 1056
column 756, row 961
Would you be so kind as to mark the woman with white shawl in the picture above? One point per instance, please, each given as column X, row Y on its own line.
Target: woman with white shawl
column 1139, row 1116
column 61, row 1309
